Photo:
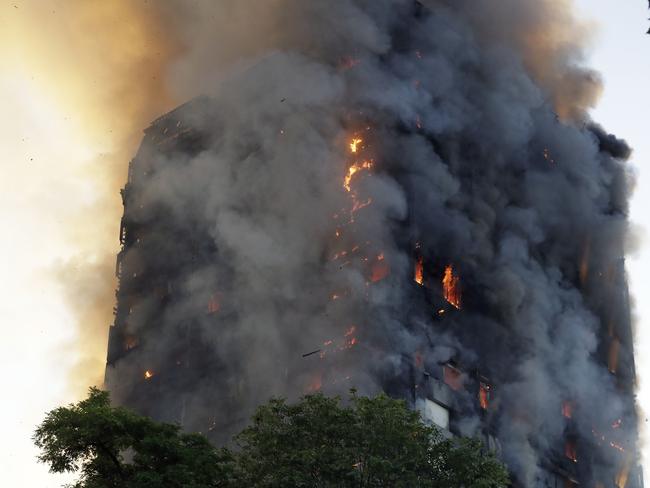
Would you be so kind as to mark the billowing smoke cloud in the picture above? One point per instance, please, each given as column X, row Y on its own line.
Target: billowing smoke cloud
column 104, row 62
column 272, row 230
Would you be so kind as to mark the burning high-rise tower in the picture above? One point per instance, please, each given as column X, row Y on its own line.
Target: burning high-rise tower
column 399, row 199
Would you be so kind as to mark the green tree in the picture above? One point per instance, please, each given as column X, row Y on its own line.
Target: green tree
column 317, row 442
column 372, row 442
column 114, row 447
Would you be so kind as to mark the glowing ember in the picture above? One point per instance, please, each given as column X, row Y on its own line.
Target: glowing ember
column 354, row 169
column 354, row 145
column 451, row 287
column 131, row 342
column 419, row 271
column 339, row 255
column 359, row 205
column 148, row 374
column 617, row 446
column 380, row 269
column 315, row 384
column 350, row 340
column 567, row 410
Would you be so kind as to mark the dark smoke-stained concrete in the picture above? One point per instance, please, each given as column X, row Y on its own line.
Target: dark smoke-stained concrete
column 482, row 158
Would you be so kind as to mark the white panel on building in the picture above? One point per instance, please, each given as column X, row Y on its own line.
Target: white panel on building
column 433, row 413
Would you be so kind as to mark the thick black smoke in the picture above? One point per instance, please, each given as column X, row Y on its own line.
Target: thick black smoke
column 474, row 152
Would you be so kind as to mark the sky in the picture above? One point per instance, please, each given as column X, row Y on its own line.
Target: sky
column 60, row 128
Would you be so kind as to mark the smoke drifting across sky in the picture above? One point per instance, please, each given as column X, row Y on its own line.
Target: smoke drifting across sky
column 482, row 152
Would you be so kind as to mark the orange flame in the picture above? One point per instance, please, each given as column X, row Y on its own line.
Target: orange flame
column 419, row 271
column 451, row 287
column 623, row 474
column 484, row 396
column 316, row 383
column 130, row 342
column 354, row 169
column 380, row 269
column 350, row 340
column 570, row 451
column 148, row 374
column 354, row 145
column 357, row 205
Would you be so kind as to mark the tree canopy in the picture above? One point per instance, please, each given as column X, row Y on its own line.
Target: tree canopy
column 115, row 447
column 316, row 442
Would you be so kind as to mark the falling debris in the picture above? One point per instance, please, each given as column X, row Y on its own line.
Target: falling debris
column 311, row 353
